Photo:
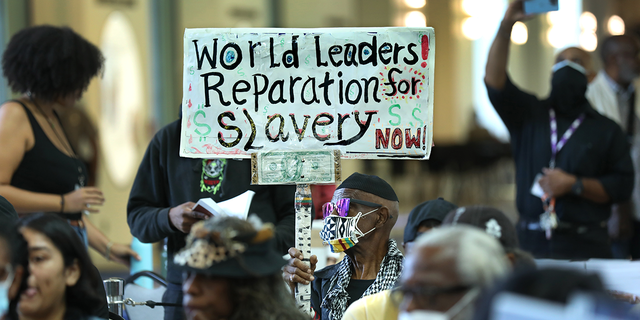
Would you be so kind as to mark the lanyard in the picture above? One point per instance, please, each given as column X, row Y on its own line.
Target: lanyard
column 555, row 144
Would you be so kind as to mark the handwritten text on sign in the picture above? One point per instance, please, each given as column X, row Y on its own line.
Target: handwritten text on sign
column 366, row 92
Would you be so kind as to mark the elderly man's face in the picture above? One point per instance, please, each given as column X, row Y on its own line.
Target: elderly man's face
column 430, row 282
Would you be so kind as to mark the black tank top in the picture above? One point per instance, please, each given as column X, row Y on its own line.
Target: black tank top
column 46, row 169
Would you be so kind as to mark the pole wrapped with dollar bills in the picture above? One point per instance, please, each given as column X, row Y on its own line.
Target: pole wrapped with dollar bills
column 303, row 205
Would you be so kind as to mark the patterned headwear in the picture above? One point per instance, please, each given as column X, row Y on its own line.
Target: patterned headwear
column 491, row 220
column 230, row 253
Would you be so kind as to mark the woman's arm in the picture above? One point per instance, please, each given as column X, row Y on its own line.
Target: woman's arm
column 118, row 252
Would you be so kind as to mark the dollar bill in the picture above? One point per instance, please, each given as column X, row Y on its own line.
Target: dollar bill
column 287, row 167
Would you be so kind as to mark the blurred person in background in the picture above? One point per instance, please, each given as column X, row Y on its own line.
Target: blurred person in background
column 446, row 271
column 232, row 271
column 60, row 282
column 357, row 222
column 613, row 94
column 423, row 218
column 12, row 261
column 578, row 56
column 39, row 171
column 571, row 162
column 496, row 224
column 554, row 285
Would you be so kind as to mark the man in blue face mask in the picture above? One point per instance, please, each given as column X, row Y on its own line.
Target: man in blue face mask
column 358, row 221
column 571, row 162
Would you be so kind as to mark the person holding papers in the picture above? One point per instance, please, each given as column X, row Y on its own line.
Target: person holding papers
column 571, row 162
column 167, row 187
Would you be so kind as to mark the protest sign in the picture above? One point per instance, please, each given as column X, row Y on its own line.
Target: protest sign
column 367, row 92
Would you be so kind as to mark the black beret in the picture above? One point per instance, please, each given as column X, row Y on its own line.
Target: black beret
column 433, row 209
column 370, row 184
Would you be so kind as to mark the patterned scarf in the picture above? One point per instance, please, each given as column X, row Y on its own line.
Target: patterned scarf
column 336, row 299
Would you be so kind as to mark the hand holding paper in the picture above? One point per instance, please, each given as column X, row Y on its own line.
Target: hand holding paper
column 236, row 207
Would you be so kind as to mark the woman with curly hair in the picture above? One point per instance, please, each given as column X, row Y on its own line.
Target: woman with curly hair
column 39, row 170
column 232, row 271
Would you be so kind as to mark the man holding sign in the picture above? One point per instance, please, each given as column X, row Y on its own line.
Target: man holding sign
column 165, row 191
column 571, row 162
column 358, row 222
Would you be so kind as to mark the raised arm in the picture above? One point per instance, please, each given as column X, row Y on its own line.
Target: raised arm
column 496, row 70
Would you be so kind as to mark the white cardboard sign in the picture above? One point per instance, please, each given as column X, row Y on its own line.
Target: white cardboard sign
column 367, row 92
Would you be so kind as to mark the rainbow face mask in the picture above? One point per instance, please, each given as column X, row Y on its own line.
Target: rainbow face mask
column 339, row 231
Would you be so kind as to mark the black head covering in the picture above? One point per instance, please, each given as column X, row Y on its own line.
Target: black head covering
column 568, row 90
column 491, row 220
column 370, row 184
column 433, row 209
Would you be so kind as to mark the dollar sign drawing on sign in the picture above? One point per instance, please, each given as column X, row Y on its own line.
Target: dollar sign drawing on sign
column 282, row 42
column 306, row 60
column 240, row 72
column 191, row 72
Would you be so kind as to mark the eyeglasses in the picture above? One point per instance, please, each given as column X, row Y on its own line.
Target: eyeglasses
column 342, row 206
column 424, row 296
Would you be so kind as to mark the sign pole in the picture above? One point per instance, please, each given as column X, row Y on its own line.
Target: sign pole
column 301, row 168
column 303, row 205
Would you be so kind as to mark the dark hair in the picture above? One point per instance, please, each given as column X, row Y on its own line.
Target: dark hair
column 430, row 223
column 50, row 62
column 83, row 295
column 555, row 285
column 610, row 45
column 12, row 240
column 263, row 298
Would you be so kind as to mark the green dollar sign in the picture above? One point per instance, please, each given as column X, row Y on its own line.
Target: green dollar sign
column 306, row 60
column 191, row 72
column 282, row 42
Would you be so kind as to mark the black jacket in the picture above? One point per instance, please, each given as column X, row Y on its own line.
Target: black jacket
column 166, row 180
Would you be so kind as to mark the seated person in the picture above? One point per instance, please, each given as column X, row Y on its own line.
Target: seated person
column 495, row 223
column 358, row 222
column 423, row 218
column 445, row 272
column 11, row 270
column 61, row 282
column 555, row 285
column 232, row 271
